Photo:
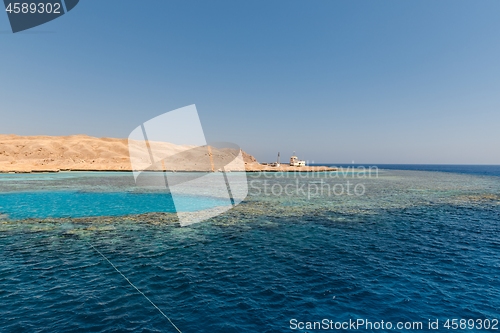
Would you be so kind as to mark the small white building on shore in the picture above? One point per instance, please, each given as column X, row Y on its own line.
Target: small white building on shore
column 294, row 161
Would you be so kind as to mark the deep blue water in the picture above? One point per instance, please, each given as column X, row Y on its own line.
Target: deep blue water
column 397, row 266
column 420, row 246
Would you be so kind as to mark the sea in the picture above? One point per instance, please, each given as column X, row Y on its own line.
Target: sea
column 396, row 248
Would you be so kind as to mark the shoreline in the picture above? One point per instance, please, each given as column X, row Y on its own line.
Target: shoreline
column 253, row 170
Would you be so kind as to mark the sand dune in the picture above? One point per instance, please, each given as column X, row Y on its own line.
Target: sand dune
column 86, row 153
column 47, row 153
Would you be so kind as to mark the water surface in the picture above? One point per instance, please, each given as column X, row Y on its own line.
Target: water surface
column 416, row 245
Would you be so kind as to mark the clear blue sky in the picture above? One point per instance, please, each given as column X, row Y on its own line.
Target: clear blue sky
column 336, row 81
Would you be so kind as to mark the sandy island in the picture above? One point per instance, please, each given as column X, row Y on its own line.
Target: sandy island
column 24, row 154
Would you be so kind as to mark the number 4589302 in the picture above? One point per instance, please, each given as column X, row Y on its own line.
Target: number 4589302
column 479, row 324
column 32, row 8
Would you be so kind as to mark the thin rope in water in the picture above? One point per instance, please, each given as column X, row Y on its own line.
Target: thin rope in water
column 157, row 308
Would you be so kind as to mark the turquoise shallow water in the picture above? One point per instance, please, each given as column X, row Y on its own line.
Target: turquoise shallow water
column 83, row 194
column 416, row 246
column 44, row 204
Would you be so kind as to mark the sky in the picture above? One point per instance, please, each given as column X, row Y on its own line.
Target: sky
column 334, row 81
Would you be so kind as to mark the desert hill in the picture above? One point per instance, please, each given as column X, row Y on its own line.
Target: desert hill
column 86, row 153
